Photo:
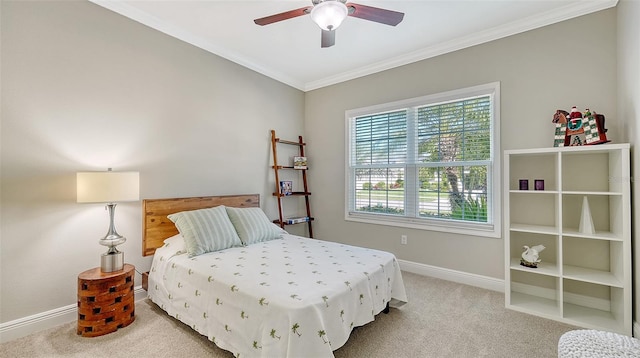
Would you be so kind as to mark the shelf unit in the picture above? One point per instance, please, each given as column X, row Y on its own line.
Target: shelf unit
column 584, row 279
column 306, row 218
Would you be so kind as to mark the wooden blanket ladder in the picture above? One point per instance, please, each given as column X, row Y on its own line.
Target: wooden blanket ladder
column 285, row 188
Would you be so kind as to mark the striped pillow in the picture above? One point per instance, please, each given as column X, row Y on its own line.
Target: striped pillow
column 253, row 225
column 206, row 230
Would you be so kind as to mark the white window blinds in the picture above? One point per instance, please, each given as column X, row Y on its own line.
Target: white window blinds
column 425, row 160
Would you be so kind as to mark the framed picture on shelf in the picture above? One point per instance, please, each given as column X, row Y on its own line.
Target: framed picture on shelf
column 286, row 187
column 299, row 162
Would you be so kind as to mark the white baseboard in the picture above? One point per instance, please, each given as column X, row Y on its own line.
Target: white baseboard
column 465, row 278
column 39, row 322
column 24, row 326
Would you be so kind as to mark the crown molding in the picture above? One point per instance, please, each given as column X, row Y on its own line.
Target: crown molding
column 198, row 41
column 566, row 12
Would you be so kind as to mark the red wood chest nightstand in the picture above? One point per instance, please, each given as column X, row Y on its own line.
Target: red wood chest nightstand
column 105, row 301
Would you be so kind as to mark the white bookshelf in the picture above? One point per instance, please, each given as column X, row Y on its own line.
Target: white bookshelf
column 584, row 278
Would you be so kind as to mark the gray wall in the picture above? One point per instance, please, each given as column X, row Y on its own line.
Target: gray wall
column 570, row 63
column 629, row 112
column 85, row 89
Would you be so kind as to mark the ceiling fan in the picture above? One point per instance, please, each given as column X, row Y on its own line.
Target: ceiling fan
column 329, row 14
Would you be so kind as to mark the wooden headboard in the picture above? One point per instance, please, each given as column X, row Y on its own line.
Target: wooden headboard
column 156, row 227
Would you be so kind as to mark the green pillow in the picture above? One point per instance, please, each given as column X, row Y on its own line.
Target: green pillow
column 252, row 225
column 206, row 230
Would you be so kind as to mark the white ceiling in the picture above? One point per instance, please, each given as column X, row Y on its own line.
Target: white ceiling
column 289, row 51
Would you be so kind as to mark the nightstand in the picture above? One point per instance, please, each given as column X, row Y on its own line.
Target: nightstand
column 105, row 301
column 145, row 281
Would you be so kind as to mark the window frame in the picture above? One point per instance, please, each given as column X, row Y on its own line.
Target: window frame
column 494, row 177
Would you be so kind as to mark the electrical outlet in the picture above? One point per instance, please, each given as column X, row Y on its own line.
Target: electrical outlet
column 403, row 239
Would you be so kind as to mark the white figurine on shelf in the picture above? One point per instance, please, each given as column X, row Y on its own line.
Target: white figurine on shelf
column 530, row 256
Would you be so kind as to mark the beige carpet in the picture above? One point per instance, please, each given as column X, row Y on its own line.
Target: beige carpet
column 442, row 319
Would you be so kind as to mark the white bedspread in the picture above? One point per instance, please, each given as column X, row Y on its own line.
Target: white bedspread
column 292, row 297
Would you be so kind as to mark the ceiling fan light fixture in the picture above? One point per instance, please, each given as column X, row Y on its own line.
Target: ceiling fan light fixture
column 329, row 14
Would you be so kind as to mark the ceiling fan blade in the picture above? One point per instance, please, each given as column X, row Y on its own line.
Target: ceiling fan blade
column 283, row 16
column 328, row 38
column 383, row 16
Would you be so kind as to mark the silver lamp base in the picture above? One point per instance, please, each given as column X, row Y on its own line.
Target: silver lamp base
column 112, row 261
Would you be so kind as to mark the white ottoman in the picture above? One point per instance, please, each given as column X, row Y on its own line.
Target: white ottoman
column 591, row 343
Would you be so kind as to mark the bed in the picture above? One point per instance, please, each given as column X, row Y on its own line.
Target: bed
column 284, row 296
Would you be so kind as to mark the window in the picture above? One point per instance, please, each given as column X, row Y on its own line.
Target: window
column 427, row 162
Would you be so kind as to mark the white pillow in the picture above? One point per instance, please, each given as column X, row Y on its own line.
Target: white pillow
column 176, row 243
column 253, row 225
column 206, row 230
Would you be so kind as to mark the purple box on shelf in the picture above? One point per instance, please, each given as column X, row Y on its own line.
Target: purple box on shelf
column 524, row 184
column 539, row 184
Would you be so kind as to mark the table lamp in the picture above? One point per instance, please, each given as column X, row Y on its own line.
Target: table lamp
column 109, row 187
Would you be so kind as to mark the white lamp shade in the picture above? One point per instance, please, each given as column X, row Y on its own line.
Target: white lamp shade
column 108, row 187
column 329, row 14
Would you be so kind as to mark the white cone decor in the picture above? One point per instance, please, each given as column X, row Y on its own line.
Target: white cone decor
column 586, row 222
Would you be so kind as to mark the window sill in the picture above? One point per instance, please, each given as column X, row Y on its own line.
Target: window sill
column 464, row 228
